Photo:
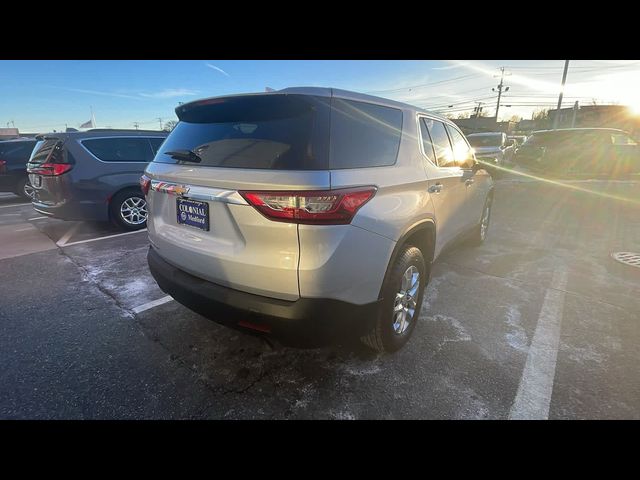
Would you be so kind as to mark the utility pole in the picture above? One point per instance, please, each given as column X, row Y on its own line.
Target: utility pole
column 500, row 87
column 136, row 125
column 556, row 117
column 160, row 120
column 477, row 110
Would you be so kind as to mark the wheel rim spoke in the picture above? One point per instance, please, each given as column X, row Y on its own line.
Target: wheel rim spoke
column 134, row 210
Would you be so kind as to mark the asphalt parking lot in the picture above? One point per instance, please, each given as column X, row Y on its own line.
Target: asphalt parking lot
column 539, row 322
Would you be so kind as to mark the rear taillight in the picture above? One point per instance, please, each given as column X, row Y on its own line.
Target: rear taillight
column 3, row 166
column 145, row 183
column 319, row 207
column 51, row 169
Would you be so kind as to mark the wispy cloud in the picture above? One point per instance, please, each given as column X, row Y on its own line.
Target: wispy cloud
column 218, row 69
column 170, row 93
column 451, row 67
column 97, row 92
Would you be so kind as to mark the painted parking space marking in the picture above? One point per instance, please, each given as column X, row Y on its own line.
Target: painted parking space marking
column 36, row 218
column 100, row 238
column 154, row 303
column 65, row 238
column 14, row 205
column 536, row 385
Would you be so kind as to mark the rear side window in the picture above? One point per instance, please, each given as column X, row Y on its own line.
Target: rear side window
column 49, row 150
column 364, row 134
column 427, row 144
column 120, row 149
column 441, row 144
column 279, row 132
column 16, row 151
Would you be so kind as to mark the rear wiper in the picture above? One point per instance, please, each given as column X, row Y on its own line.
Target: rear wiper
column 185, row 155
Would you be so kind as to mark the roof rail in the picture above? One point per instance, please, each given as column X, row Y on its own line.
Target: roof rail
column 123, row 130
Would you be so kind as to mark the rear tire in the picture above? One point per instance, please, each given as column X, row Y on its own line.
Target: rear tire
column 402, row 300
column 129, row 210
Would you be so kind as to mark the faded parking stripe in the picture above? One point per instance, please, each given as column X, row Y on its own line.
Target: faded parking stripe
column 155, row 303
column 536, row 385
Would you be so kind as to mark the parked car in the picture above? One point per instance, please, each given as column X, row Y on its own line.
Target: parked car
column 493, row 147
column 14, row 155
column 581, row 152
column 93, row 175
column 517, row 140
column 309, row 211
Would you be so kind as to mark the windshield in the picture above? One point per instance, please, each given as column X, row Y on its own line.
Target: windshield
column 263, row 132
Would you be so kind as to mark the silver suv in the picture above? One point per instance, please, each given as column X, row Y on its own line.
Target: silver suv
column 310, row 211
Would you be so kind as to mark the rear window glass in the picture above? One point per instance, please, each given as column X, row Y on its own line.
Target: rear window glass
column 155, row 144
column 363, row 134
column 48, row 151
column 279, row 132
column 16, row 151
column 485, row 140
column 120, row 149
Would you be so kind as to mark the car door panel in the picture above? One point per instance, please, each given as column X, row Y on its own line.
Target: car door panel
column 446, row 184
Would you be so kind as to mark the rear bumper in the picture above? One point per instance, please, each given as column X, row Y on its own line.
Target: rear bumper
column 69, row 211
column 310, row 320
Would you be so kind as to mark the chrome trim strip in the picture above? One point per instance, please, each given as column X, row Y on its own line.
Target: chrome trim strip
column 207, row 194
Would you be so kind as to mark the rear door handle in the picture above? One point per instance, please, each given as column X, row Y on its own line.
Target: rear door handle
column 437, row 188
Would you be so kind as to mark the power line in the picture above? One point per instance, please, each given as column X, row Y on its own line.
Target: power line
column 455, row 79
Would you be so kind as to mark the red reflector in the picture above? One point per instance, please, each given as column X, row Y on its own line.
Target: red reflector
column 254, row 326
column 145, row 183
column 316, row 207
column 51, row 169
column 3, row 166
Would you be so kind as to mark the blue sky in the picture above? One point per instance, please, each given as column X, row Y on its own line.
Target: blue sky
column 41, row 96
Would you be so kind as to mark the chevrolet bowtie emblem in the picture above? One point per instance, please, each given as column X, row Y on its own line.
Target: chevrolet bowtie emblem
column 180, row 190
column 170, row 188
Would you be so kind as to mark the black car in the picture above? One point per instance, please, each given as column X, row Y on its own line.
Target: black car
column 14, row 155
column 580, row 152
column 93, row 175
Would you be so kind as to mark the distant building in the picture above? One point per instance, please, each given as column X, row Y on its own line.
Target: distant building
column 611, row 116
column 9, row 133
column 483, row 124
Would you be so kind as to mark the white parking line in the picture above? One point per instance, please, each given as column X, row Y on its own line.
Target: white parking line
column 65, row 238
column 155, row 303
column 100, row 238
column 536, row 385
column 36, row 218
column 14, row 205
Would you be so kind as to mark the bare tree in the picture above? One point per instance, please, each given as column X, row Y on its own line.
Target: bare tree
column 170, row 125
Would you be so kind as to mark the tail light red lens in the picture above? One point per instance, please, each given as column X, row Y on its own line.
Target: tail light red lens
column 3, row 166
column 51, row 169
column 316, row 207
column 145, row 183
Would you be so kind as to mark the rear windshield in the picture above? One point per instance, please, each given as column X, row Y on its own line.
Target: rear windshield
column 48, row 151
column 485, row 140
column 16, row 151
column 279, row 132
column 286, row 132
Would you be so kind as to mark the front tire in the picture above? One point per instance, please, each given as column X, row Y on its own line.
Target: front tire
column 129, row 210
column 479, row 233
column 402, row 300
